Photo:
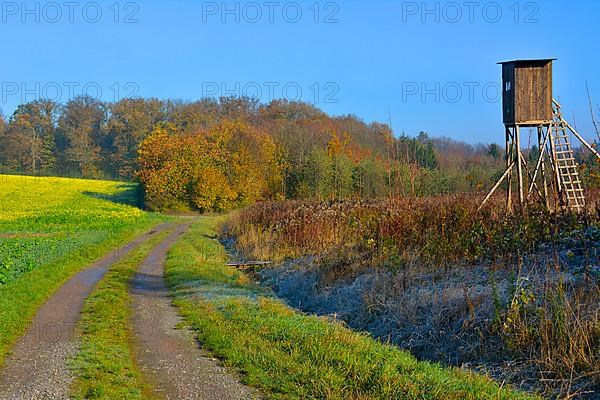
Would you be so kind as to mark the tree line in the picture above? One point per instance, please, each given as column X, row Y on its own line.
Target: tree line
column 309, row 154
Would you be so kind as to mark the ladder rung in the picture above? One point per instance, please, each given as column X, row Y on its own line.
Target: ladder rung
column 565, row 163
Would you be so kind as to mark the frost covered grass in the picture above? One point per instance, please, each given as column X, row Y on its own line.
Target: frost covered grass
column 290, row 355
column 515, row 294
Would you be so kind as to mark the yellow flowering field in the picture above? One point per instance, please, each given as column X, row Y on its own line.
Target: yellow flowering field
column 42, row 219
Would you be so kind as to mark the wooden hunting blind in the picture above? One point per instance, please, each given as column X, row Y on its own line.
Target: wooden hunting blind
column 527, row 92
column 527, row 102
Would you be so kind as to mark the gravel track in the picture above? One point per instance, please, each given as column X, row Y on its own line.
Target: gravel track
column 37, row 366
column 171, row 358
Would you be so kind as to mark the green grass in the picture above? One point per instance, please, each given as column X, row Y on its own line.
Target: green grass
column 104, row 366
column 50, row 228
column 289, row 355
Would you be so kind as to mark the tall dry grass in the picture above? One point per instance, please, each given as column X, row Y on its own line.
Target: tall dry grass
column 546, row 319
column 441, row 230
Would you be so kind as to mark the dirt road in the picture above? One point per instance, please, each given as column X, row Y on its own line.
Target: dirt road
column 170, row 357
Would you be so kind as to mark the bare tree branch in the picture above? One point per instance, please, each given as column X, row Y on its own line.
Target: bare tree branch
column 592, row 111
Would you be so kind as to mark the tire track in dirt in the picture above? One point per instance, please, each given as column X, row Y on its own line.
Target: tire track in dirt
column 170, row 357
column 37, row 367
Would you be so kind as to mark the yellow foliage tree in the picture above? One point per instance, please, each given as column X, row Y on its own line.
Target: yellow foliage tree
column 229, row 166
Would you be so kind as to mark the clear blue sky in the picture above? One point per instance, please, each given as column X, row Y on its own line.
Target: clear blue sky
column 368, row 58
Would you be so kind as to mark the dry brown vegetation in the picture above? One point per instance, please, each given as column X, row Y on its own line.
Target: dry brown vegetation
column 516, row 296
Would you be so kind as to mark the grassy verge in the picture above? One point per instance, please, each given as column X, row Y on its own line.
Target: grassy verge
column 290, row 355
column 104, row 366
column 20, row 299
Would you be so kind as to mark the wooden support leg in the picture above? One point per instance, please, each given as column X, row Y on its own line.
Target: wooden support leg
column 542, row 140
column 509, row 163
column 517, row 135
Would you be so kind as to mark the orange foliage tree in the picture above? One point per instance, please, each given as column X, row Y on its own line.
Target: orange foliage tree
column 227, row 166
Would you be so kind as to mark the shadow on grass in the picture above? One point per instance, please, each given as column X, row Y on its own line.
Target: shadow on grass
column 130, row 194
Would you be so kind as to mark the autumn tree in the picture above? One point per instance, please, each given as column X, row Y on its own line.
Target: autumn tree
column 369, row 178
column 298, row 130
column 80, row 134
column 190, row 117
column 285, row 110
column 340, row 166
column 253, row 167
column 239, row 108
column 129, row 122
column 228, row 166
column 30, row 136
column 316, row 181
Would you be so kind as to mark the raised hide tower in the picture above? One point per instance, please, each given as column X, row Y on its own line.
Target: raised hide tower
column 528, row 103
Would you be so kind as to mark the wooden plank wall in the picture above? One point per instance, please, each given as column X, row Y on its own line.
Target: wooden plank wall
column 533, row 94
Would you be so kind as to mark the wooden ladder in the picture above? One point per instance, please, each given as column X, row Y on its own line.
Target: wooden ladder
column 569, row 181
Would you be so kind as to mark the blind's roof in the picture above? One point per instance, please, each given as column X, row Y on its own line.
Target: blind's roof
column 536, row 61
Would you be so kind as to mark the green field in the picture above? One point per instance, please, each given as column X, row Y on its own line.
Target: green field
column 42, row 219
column 49, row 229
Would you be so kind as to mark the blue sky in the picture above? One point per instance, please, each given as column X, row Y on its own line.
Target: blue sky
column 426, row 65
